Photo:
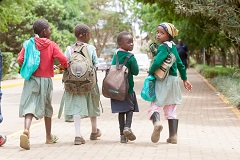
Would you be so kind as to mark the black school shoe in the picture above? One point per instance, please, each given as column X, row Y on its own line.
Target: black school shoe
column 123, row 139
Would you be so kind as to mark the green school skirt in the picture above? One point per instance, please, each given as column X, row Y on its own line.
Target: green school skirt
column 86, row 105
column 36, row 97
column 168, row 91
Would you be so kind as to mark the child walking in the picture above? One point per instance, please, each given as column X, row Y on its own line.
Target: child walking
column 36, row 96
column 129, row 104
column 168, row 93
column 83, row 105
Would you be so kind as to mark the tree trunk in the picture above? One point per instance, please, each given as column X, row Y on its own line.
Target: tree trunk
column 208, row 57
column 224, row 57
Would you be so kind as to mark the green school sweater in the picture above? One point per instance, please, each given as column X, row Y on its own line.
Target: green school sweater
column 161, row 56
column 131, row 65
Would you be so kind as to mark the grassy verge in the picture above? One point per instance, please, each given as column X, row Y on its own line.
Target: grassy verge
column 226, row 80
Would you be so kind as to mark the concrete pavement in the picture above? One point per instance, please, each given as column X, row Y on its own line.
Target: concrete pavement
column 209, row 129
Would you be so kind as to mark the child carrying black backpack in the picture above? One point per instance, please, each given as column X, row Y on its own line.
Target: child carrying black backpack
column 129, row 104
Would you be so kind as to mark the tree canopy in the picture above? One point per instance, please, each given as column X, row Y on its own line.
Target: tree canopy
column 201, row 23
column 101, row 16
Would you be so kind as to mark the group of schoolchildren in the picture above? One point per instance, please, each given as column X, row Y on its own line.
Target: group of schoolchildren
column 37, row 91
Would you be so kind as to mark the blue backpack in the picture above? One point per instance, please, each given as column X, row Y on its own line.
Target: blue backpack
column 31, row 59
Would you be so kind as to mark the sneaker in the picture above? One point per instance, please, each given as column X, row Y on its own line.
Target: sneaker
column 129, row 134
column 79, row 141
column 94, row 136
column 123, row 139
column 3, row 139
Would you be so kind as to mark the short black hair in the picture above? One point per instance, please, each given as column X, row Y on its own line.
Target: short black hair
column 121, row 35
column 81, row 29
column 39, row 25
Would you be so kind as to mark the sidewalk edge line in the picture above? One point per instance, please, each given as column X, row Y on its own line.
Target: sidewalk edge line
column 21, row 83
column 234, row 109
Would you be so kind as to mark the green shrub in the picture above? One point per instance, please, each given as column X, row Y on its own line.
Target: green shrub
column 7, row 59
column 230, row 87
column 211, row 72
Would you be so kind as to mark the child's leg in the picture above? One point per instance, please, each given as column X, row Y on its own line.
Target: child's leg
column 95, row 131
column 127, row 129
column 94, row 124
column 27, row 124
column 78, row 136
column 170, row 111
column 50, row 139
column 48, row 127
column 154, row 113
column 129, row 116
column 24, row 138
column 77, row 124
column 170, row 114
column 121, row 120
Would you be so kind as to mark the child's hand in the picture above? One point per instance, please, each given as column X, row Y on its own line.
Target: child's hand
column 187, row 85
column 60, row 67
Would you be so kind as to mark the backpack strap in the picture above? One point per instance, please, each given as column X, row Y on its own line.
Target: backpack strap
column 82, row 45
column 168, row 49
column 127, row 58
column 125, row 61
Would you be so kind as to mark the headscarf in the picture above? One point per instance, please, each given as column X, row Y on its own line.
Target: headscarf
column 170, row 29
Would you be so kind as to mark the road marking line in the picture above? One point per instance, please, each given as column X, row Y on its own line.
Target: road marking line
column 21, row 83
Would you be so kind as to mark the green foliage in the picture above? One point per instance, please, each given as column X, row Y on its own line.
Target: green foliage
column 211, row 72
column 192, row 63
column 229, row 87
column 11, row 12
column 7, row 59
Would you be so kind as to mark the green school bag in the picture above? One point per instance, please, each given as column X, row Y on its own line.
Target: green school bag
column 31, row 59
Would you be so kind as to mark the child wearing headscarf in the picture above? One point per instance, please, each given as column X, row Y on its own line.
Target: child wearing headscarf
column 168, row 93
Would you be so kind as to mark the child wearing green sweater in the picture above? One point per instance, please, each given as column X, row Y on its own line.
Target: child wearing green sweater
column 129, row 104
column 168, row 93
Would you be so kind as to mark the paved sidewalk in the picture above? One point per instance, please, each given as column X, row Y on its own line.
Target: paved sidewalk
column 208, row 130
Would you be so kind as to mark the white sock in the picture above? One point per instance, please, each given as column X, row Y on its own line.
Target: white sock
column 77, row 124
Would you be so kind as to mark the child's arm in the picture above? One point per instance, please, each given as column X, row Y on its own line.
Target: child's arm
column 158, row 59
column 134, row 66
column 57, row 53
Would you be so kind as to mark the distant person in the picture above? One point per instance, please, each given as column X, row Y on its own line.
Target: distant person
column 183, row 53
column 36, row 96
column 168, row 93
column 78, row 106
column 3, row 138
column 129, row 104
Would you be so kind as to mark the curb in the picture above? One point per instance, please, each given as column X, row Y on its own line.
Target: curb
column 234, row 109
column 21, row 83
